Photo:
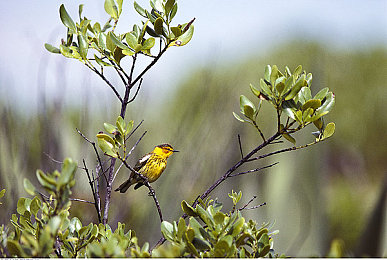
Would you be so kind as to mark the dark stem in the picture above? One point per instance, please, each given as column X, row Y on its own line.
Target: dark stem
column 108, row 191
column 93, row 190
column 233, row 168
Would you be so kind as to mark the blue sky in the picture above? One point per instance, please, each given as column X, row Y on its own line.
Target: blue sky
column 224, row 31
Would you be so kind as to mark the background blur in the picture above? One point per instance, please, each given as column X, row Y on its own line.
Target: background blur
column 329, row 191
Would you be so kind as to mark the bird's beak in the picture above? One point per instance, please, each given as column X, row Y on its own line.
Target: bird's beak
column 175, row 151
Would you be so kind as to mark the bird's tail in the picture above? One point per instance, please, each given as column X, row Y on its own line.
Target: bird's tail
column 125, row 186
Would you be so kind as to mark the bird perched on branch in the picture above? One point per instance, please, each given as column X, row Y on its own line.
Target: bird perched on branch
column 150, row 166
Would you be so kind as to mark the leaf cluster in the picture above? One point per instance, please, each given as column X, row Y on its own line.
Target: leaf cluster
column 111, row 144
column 110, row 47
column 290, row 94
column 43, row 228
column 213, row 233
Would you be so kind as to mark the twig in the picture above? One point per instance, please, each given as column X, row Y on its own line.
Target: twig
column 108, row 191
column 106, row 80
column 94, row 191
column 255, row 207
column 150, row 65
column 134, row 130
column 254, row 170
column 233, row 168
column 135, row 94
column 251, row 200
column 95, row 150
column 131, row 150
column 81, row 200
column 283, row 150
column 146, row 183
column 240, row 145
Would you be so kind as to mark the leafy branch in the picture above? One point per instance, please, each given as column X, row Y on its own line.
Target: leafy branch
column 101, row 47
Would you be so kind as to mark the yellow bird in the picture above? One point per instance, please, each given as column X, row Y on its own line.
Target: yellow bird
column 150, row 166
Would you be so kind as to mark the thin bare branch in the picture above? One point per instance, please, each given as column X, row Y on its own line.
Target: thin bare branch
column 106, row 80
column 253, row 170
column 135, row 94
column 149, row 66
column 240, row 145
column 251, row 200
column 94, row 191
column 95, row 150
column 293, row 148
column 81, row 200
column 127, row 156
column 255, row 207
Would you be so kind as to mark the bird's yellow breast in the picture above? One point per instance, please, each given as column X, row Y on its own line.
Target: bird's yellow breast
column 153, row 170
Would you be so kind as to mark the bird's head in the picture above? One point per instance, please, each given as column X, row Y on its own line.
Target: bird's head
column 164, row 150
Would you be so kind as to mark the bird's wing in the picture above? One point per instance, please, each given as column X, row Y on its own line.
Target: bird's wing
column 142, row 161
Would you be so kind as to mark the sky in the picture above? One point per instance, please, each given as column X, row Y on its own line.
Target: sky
column 225, row 31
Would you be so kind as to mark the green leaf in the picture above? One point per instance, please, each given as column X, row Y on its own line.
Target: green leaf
column 66, row 51
column 309, row 79
column 68, row 170
column 297, row 71
column 205, row 216
column 267, row 73
column 102, row 40
column 120, row 123
column 28, row 187
column 139, row 9
column 237, row 227
column 2, row 192
column 109, row 128
column 14, row 248
column 255, row 90
column 318, row 123
column 106, row 146
column 101, row 62
column 173, row 12
column 265, row 88
column 329, row 130
column 129, row 127
column 21, row 208
column 238, row 117
column 296, row 88
column 184, row 38
column 116, row 41
column 249, row 112
column 304, row 94
column 111, row 8
column 289, row 138
column 142, row 33
column 158, row 26
column 188, row 209
column 322, row 94
column 280, row 84
column 167, row 230
column 35, row 206
column 148, row 44
column 168, row 6
column 246, row 105
column 46, row 181
column 131, row 40
column 327, row 105
column 288, row 84
column 274, row 74
column 83, row 46
column 51, row 48
column 311, row 103
column 66, row 19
